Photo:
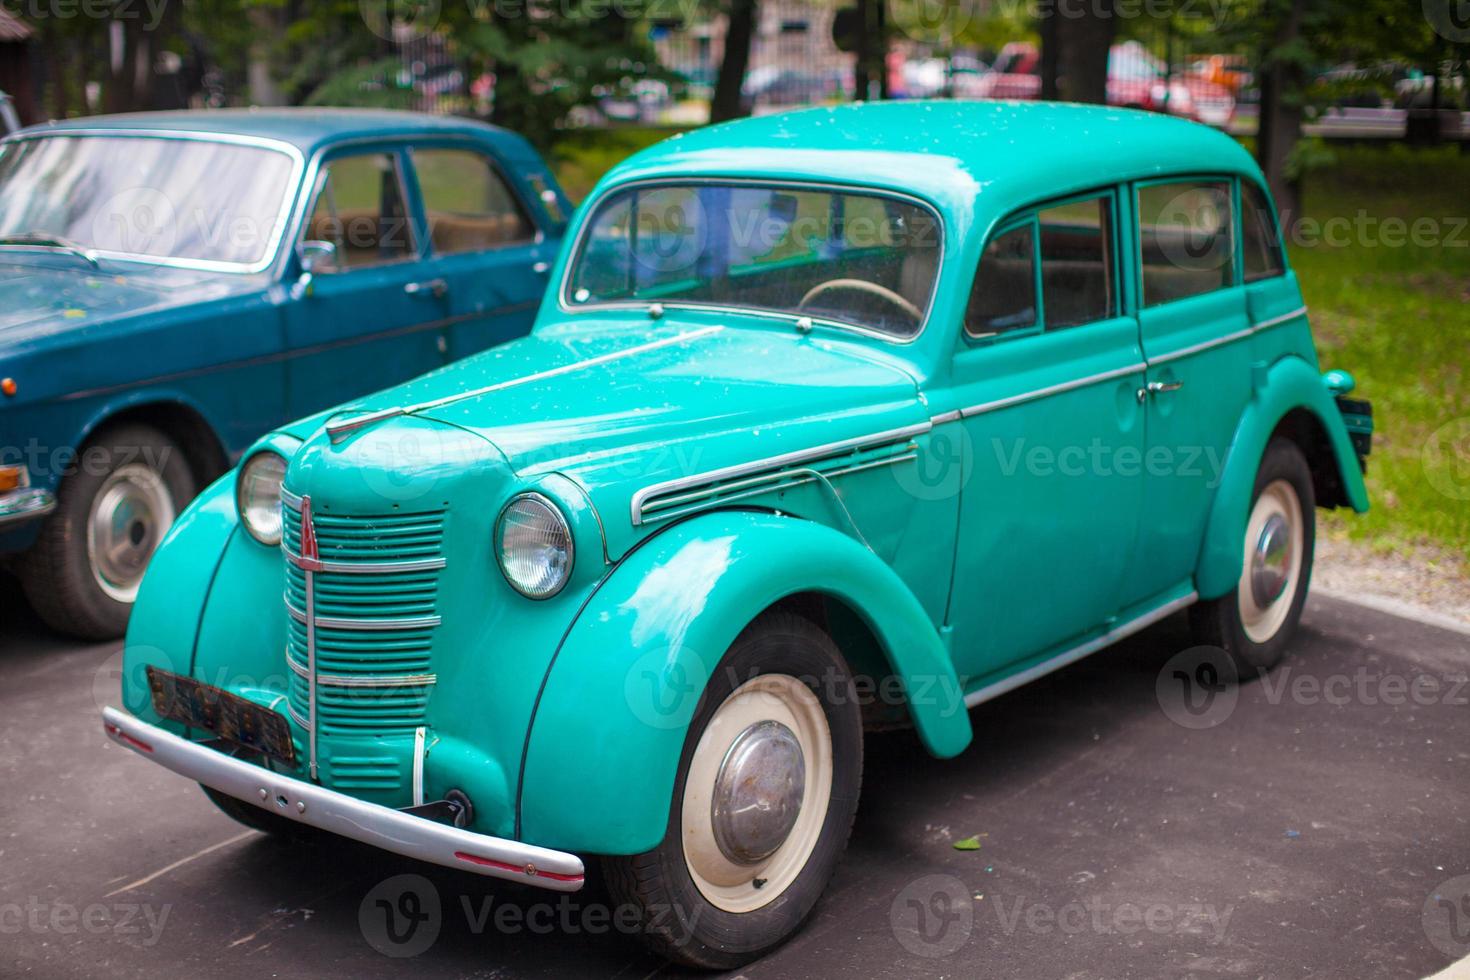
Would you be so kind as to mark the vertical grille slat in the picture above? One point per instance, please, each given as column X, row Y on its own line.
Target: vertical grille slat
column 350, row 660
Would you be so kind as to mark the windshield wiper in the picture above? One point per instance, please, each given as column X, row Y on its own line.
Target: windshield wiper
column 53, row 241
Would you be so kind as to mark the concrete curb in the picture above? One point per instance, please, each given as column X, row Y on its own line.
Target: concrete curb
column 1397, row 607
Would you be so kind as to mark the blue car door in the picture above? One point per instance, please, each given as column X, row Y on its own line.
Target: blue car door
column 489, row 252
column 372, row 313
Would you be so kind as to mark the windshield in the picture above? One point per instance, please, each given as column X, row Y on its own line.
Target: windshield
column 180, row 199
column 859, row 259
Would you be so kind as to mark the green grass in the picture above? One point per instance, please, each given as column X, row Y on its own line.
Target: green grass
column 1393, row 311
column 1396, row 313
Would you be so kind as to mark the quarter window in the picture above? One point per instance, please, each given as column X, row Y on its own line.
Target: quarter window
column 1185, row 239
column 469, row 206
column 1077, row 262
column 1004, row 295
column 1259, row 241
column 360, row 209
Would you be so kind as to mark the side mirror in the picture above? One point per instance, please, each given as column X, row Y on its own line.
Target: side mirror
column 315, row 257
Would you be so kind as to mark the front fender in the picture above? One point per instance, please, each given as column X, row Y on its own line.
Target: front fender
column 1289, row 384
column 604, row 747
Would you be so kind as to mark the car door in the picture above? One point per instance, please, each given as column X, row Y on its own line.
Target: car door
column 486, row 247
column 1193, row 325
column 1047, row 372
column 370, row 315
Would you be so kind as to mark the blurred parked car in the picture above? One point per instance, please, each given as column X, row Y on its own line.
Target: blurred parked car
column 176, row 284
column 1136, row 80
column 770, row 86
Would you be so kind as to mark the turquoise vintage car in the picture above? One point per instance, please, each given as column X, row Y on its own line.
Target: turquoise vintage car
column 830, row 420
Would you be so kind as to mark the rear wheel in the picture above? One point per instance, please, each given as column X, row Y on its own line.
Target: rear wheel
column 127, row 487
column 1255, row 621
column 763, row 804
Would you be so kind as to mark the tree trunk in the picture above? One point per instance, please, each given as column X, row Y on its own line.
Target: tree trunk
column 1280, row 128
column 728, row 102
column 1079, row 38
column 259, row 71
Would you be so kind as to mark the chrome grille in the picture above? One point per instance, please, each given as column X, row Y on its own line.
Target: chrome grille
column 375, row 599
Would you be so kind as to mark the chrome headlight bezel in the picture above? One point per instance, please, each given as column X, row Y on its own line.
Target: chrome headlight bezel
column 264, row 529
column 561, row 527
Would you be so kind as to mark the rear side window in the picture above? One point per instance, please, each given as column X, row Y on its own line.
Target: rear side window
column 1184, row 239
column 1004, row 295
column 1259, row 242
column 468, row 204
column 1076, row 262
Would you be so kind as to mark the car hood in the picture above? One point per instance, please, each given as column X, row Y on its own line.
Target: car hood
column 619, row 406
column 43, row 295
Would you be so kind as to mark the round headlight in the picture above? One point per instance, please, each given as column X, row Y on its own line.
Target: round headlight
column 534, row 546
column 258, row 496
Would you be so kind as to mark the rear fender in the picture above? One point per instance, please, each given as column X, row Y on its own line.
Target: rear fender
column 1289, row 384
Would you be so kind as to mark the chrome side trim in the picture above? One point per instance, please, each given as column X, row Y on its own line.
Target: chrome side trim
column 1056, row 389
column 640, row 499
column 20, row 506
column 1229, row 338
column 338, row 813
column 303, row 722
column 364, row 680
column 360, row 625
column 1078, row 652
column 366, row 567
column 1277, row 321
column 337, row 430
column 943, row 417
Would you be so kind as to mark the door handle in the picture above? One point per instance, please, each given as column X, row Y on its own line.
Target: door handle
column 433, row 287
column 1154, row 387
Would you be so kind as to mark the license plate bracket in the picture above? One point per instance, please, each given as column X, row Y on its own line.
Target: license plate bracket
column 233, row 718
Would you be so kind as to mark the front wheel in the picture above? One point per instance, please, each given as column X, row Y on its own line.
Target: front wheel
column 1255, row 621
column 113, row 509
column 763, row 803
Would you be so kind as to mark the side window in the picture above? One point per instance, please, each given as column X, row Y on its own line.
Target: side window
column 359, row 208
column 1184, row 239
column 1077, row 262
column 467, row 202
column 1004, row 295
column 1259, row 241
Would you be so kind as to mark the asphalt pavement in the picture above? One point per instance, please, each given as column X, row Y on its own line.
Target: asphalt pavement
column 1312, row 824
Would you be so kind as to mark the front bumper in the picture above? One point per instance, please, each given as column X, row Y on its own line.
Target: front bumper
column 338, row 813
column 20, row 506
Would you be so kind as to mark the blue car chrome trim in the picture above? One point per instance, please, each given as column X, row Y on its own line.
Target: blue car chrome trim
column 360, row 625
column 20, row 506
column 367, row 567
column 1228, row 338
column 364, row 680
column 338, row 813
column 338, row 430
column 1027, row 396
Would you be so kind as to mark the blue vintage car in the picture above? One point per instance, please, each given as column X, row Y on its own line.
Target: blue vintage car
column 172, row 285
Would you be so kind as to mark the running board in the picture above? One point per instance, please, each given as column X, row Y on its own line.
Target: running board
column 1076, row 653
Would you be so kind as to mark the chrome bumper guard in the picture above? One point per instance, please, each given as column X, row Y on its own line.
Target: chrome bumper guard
column 25, row 504
column 338, row 813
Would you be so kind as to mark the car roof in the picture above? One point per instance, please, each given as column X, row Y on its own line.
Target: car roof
column 970, row 157
column 305, row 128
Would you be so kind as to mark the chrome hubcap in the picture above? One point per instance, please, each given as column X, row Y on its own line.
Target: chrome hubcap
column 758, row 791
column 1271, row 561
column 130, row 514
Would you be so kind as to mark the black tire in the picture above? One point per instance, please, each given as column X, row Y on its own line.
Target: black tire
column 1220, row 622
column 57, row 572
column 698, row 933
column 259, row 819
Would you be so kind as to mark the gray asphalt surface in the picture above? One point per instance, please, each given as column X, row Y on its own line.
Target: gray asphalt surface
column 1319, row 827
